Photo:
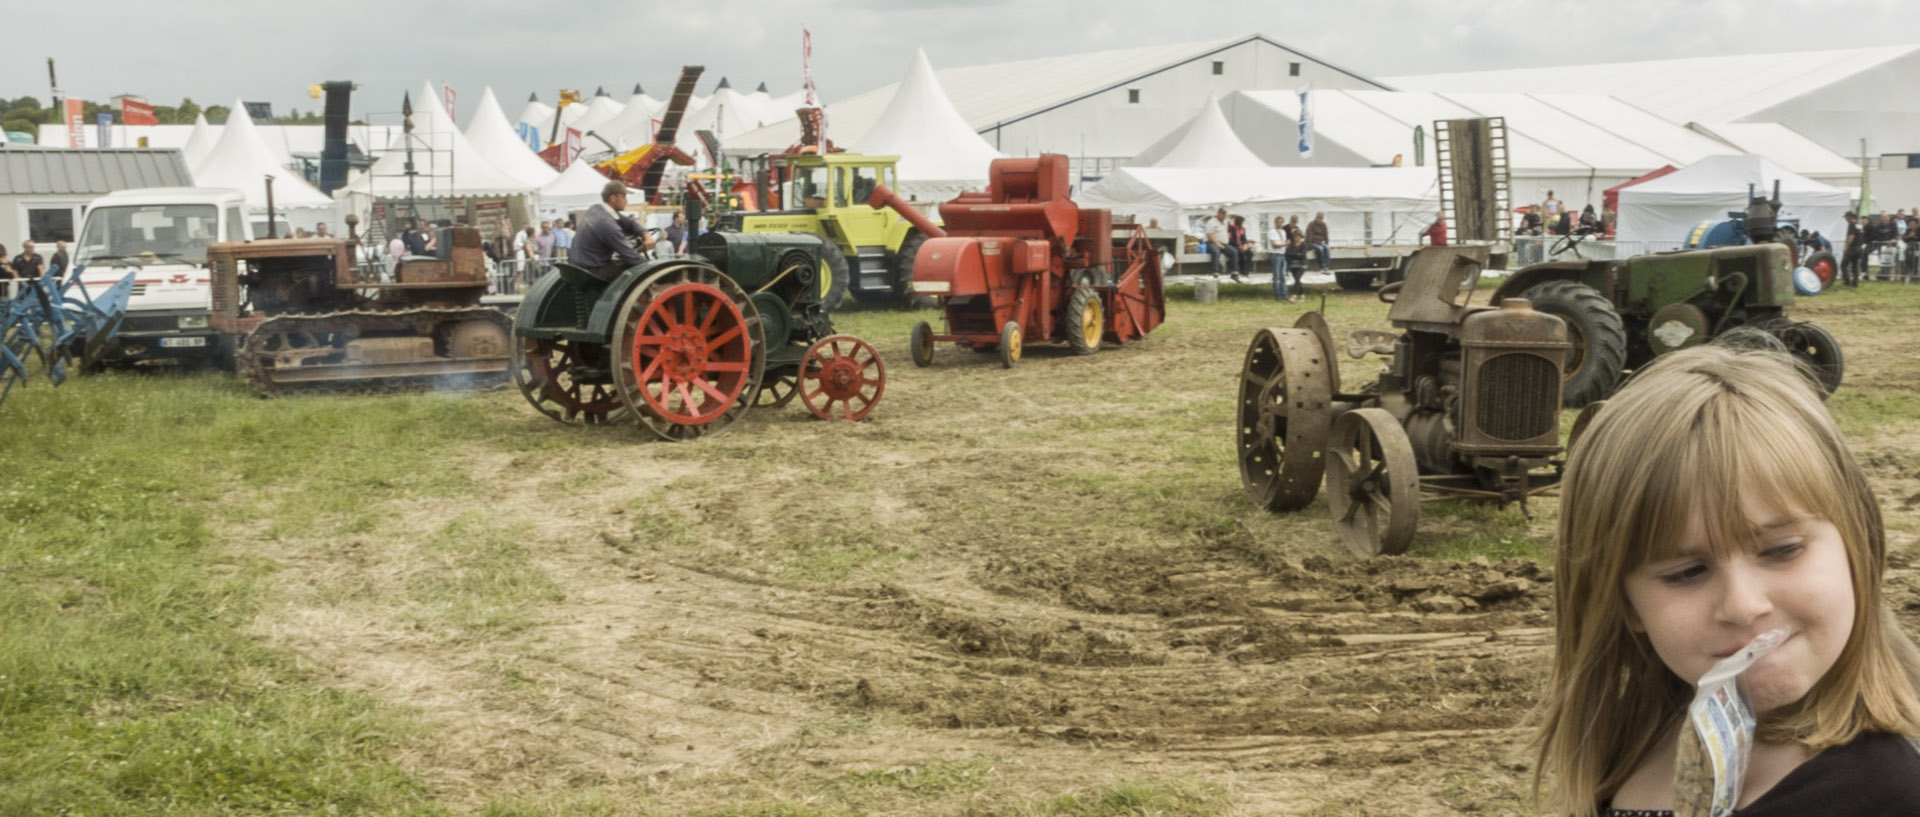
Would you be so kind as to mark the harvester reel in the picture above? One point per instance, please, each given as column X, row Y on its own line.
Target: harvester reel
column 1283, row 417
column 1373, row 483
column 546, row 372
column 685, row 348
column 842, row 378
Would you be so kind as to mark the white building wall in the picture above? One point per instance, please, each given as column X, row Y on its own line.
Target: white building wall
column 1881, row 105
column 13, row 218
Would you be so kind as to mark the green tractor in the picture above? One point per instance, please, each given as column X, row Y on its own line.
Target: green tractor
column 868, row 252
column 1621, row 314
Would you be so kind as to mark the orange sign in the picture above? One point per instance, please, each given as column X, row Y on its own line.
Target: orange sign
column 136, row 113
column 76, row 125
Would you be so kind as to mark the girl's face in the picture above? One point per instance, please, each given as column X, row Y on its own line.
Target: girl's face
column 1697, row 608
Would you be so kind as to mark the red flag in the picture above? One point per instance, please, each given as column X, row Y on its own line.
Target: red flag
column 806, row 63
column 449, row 95
column 136, row 113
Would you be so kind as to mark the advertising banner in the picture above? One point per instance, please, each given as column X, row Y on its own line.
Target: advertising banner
column 136, row 113
column 75, row 117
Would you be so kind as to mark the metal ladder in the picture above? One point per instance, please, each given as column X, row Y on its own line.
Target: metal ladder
column 1497, row 158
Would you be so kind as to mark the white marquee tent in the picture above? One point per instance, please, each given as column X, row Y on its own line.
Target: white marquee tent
column 240, row 160
column 940, row 156
column 633, row 127
column 599, row 110
column 201, row 142
column 727, row 114
column 1206, row 140
column 445, row 163
column 1400, row 200
column 497, row 142
column 538, row 114
column 576, row 189
column 1668, row 208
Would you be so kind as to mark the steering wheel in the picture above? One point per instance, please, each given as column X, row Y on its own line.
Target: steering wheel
column 1570, row 241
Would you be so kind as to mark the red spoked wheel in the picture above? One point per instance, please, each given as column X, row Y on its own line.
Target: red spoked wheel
column 686, row 340
column 842, row 378
column 567, row 381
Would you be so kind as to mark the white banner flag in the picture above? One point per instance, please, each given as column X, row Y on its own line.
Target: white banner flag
column 1306, row 124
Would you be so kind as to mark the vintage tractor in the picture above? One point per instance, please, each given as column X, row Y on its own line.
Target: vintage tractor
column 686, row 345
column 810, row 190
column 1759, row 224
column 1621, row 314
column 1024, row 262
column 302, row 316
column 1469, row 407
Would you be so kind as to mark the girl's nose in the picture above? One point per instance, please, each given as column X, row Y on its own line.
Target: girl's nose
column 1744, row 596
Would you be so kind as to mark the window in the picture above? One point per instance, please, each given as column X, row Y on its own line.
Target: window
column 234, row 222
column 864, row 180
column 149, row 232
column 1219, row 68
column 1293, row 69
column 839, row 187
column 809, row 187
column 1133, row 96
column 45, row 226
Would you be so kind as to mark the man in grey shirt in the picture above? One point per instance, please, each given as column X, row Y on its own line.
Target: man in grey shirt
column 600, row 246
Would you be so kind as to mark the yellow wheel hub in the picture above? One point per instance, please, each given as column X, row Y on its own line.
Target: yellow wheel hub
column 1090, row 323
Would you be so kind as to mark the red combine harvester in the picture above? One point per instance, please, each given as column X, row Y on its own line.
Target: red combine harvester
column 1023, row 261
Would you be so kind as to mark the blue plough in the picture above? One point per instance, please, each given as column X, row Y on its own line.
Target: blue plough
column 58, row 323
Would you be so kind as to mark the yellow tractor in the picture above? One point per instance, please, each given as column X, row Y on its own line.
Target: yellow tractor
column 868, row 252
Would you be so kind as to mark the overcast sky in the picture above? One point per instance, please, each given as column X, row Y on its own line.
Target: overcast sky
column 216, row 51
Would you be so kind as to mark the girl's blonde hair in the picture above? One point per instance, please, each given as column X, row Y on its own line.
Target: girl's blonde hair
column 1718, row 432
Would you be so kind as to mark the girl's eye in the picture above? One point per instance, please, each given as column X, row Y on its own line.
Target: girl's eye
column 1684, row 575
column 1782, row 551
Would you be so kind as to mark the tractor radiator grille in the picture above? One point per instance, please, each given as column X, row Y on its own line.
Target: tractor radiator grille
column 1519, row 397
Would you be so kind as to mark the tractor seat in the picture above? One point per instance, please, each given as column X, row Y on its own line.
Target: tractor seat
column 583, row 277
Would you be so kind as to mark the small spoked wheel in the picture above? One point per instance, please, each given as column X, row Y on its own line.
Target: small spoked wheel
column 920, row 345
column 1373, row 483
column 1283, row 415
column 842, row 378
column 565, row 380
column 1010, row 345
column 684, row 340
column 777, row 390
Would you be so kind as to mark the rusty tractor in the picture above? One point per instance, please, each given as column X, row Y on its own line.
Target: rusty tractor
column 1469, row 407
column 686, row 345
column 302, row 316
column 1022, row 262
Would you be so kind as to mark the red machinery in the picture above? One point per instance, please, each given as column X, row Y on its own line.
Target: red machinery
column 1023, row 261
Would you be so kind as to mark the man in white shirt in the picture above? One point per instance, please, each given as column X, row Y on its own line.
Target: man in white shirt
column 1218, row 245
column 1277, row 254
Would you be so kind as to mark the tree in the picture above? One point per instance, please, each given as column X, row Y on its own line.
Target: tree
column 217, row 114
column 188, row 110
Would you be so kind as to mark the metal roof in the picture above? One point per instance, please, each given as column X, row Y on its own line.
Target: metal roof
column 28, row 170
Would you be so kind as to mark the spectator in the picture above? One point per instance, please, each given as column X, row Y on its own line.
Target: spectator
column 677, row 234
column 416, row 241
column 1220, row 250
column 1855, row 255
column 1530, row 223
column 1297, row 256
column 1551, row 208
column 562, row 238
column 59, row 260
column 1436, row 233
column 1317, row 241
column 320, row 231
column 1242, row 246
column 1277, row 255
column 28, row 264
column 520, row 241
column 6, row 271
column 543, row 246
column 1589, row 222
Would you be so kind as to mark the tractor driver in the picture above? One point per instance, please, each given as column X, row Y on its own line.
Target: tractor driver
column 600, row 244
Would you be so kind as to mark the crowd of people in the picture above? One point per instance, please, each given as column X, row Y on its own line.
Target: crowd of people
column 1230, row 249
column 1898, row 233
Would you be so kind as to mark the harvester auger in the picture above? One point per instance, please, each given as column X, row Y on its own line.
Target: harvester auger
column 687, row 345
column 1022, row 262
column 1469, row 407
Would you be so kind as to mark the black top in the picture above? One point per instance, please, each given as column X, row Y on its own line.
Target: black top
column 1877, row 774
column 29, row 266
column 602, row 238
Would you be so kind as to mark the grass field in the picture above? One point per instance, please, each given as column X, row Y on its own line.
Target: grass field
column 1029, row 592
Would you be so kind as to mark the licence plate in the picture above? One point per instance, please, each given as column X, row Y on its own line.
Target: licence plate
column 175, row 343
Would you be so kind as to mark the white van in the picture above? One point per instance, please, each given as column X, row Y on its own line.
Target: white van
column 161, row 235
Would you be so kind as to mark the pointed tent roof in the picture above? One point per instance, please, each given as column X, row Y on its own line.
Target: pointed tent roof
column 601, row 110
column 200, row 142
column 633, row 127
column 728, row 113
column 1206, row 140
column 921, row 126
column 496, row 140
column 637, row 91
column 242, row 162
column 576, row 189
column 538, row 114
column 762, row 89
column 723, row 84
column 446, row 164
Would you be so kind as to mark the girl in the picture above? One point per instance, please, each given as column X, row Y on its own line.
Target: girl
column 1712, row 500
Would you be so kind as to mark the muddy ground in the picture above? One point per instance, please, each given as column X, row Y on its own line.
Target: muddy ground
column 1004, row 587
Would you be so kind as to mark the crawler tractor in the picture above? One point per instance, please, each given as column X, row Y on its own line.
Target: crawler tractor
column 1469, row 407
column 303, row 316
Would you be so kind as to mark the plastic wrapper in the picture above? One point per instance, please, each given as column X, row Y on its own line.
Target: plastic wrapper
column 1712, row 761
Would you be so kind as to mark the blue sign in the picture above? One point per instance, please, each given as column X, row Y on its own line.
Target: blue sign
column 529, row 134
column 105, row 121
column 1306, row 126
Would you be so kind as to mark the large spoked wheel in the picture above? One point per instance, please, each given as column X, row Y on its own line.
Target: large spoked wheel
column 1373, row 484
column 1086, row 322
column 1597, row 338
column 842, row 378
column 685, row 342
column 1284, row 414
column 567, row 381
column 1010, row 345
column 1819, row 349
column 1317, row 324
column 920, row 345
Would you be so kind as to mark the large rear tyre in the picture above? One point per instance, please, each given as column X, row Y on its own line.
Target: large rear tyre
column 1373, row 483
column 684, row 347
column 565, row 380
column 834, row 275
column 1599, row 341
column 1283, row 415
column 1813, row 345
column 903, row 270
column 1085, row 321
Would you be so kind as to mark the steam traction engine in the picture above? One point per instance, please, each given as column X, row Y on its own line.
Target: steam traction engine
column 1469, row 407
column 302, row 316
column 1022, row 261
column 686, row 345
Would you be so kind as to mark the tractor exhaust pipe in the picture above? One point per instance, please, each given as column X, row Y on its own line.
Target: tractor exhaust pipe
column 882, row 197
